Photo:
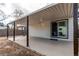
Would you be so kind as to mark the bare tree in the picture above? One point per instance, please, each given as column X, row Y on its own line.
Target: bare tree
column 18, row 11
column 2, row 15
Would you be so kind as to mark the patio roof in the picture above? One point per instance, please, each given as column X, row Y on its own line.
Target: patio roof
column 52, row 13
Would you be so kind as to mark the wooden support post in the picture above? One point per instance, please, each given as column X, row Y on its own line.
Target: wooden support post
column 14, row 32
column 75, row 21
column 27, row 31
column 7, row 31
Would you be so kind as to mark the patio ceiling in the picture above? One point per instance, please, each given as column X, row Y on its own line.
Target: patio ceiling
column 53, row 13
column 56, row 12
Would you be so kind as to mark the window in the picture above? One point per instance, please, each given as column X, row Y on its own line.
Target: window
column 60, row 29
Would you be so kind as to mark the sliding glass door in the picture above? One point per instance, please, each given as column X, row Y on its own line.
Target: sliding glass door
column 60, row 29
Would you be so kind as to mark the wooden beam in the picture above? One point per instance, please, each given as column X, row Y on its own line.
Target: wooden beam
column 75, row 20
column 27, row 31
column 14, row 32
column 7, row 31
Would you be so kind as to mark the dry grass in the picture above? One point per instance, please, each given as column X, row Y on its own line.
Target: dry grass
column 10, row 48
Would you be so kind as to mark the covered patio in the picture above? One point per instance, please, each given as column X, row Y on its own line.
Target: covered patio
column 41, row 42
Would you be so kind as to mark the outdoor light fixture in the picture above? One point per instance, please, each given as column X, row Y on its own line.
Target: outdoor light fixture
column 41, row 21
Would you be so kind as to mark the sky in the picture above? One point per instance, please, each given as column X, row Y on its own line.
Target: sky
column 28, row 5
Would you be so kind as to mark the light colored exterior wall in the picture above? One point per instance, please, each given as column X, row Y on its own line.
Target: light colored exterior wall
column 71, row 31
column 43, row 31
column 40, row 31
